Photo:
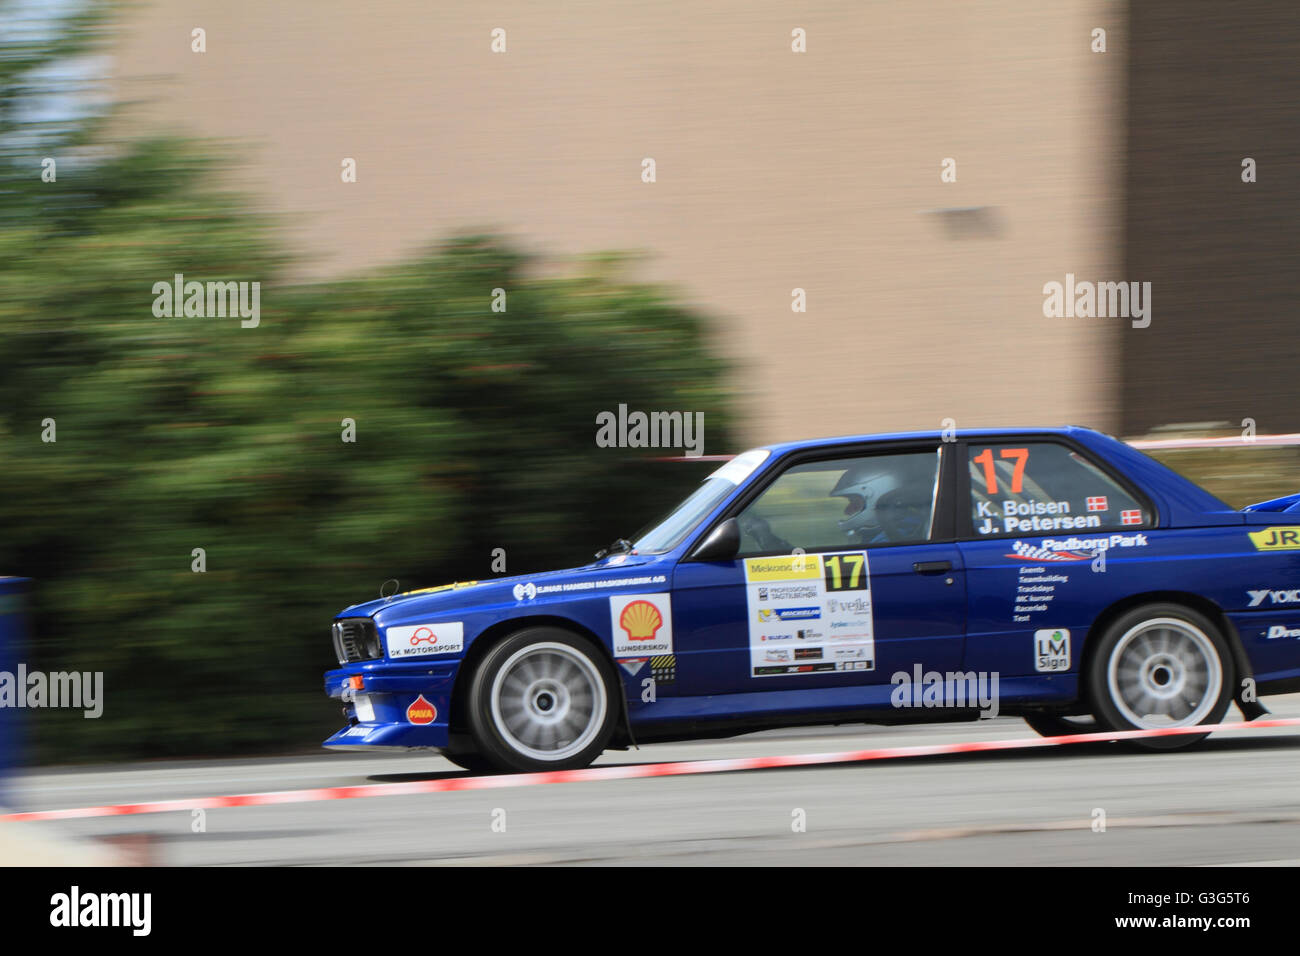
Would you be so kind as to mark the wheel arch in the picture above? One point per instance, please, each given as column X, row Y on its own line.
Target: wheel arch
column 498, row 632
column 1196, row 602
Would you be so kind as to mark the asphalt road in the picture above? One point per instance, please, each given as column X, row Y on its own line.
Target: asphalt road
column 1234, row 799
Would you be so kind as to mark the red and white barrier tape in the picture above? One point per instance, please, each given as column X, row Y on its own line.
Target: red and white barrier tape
column 618, row 772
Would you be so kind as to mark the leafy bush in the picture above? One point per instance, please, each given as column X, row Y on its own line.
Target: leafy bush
column 475, row 430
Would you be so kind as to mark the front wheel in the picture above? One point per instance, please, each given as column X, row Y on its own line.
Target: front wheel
column 542, row 699
column 468, row 760
column 1053, row 725
column 1162, row 665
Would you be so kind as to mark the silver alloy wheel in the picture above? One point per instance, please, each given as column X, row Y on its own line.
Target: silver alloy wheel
column 1164, row 672
column 548, row 701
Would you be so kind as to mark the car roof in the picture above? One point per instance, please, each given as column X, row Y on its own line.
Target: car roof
column 1076, row 431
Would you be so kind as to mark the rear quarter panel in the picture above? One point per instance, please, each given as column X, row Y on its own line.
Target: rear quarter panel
column 1012, row 599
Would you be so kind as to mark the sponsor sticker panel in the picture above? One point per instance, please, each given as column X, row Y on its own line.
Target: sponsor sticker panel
column 1052, row 650
column 419, row 640
column 1267, row 597
column 809, row 614
column 642, row 624
column 530, row 590
column 663, row 668
column 1276, row 539
column 421, row 711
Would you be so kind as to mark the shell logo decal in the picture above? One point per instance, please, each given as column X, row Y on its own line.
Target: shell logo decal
column 641, row 624
column 421, row 711
column 641, row 620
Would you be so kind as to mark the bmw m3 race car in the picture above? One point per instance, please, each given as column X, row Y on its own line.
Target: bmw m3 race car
column 1053, row 573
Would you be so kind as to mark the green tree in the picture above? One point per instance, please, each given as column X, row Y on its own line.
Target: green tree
column 475, row 429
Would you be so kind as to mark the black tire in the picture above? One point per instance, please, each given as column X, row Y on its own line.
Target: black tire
column 469, row 760
column 1054, row 725
column 556, row 713
column 1161, row 656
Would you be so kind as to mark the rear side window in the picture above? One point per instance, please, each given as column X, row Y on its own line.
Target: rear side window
column 1030, row 488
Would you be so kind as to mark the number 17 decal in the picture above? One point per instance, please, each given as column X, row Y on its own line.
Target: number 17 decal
column 985, row 458
column 844, row 572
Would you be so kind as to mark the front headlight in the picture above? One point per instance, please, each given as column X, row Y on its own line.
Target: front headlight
column 356, row 639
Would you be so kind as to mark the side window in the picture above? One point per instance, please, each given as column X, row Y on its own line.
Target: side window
column 1031, row 488
column 848, row 502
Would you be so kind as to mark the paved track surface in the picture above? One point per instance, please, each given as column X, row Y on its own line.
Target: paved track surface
column 1232, row 800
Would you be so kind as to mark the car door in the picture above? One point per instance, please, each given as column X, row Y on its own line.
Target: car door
column 1040, row 517
column 847, row 573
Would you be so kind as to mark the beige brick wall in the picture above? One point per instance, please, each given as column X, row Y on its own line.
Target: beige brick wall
column 775, row 170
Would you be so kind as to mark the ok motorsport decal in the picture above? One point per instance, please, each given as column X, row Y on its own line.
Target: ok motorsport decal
column 642, row 624
column 827, row 624
column 418, row 640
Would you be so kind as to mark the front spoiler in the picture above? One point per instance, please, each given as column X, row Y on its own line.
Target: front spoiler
column 401, row 737
column 390, row 691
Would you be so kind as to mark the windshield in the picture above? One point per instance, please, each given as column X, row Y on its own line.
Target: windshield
column 667, row 533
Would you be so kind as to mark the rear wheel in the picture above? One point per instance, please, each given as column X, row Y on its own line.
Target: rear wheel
column 1162, row 665
column 542, row 699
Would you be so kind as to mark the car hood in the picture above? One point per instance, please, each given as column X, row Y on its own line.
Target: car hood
column 518, row 589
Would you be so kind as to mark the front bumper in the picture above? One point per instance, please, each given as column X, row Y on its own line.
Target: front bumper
column 383, row 721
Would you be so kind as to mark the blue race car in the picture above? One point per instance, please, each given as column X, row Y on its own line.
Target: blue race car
column 1057, row 574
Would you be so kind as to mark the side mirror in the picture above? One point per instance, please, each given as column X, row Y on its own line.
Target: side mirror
column 721, row 545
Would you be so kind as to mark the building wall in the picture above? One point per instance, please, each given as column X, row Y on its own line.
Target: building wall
column 1210, row 85
column 775, row 170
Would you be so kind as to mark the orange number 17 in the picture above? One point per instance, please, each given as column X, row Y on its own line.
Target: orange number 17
column 985, row 458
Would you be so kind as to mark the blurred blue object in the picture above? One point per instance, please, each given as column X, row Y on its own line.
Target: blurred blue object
column 13, row 641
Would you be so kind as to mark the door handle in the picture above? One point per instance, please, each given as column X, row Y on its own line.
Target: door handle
column 931, row 567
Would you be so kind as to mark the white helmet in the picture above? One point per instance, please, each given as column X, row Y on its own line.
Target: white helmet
column 879, row 504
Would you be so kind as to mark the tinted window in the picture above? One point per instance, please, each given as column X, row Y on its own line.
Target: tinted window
column 849, row 502
column 1032, row 488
